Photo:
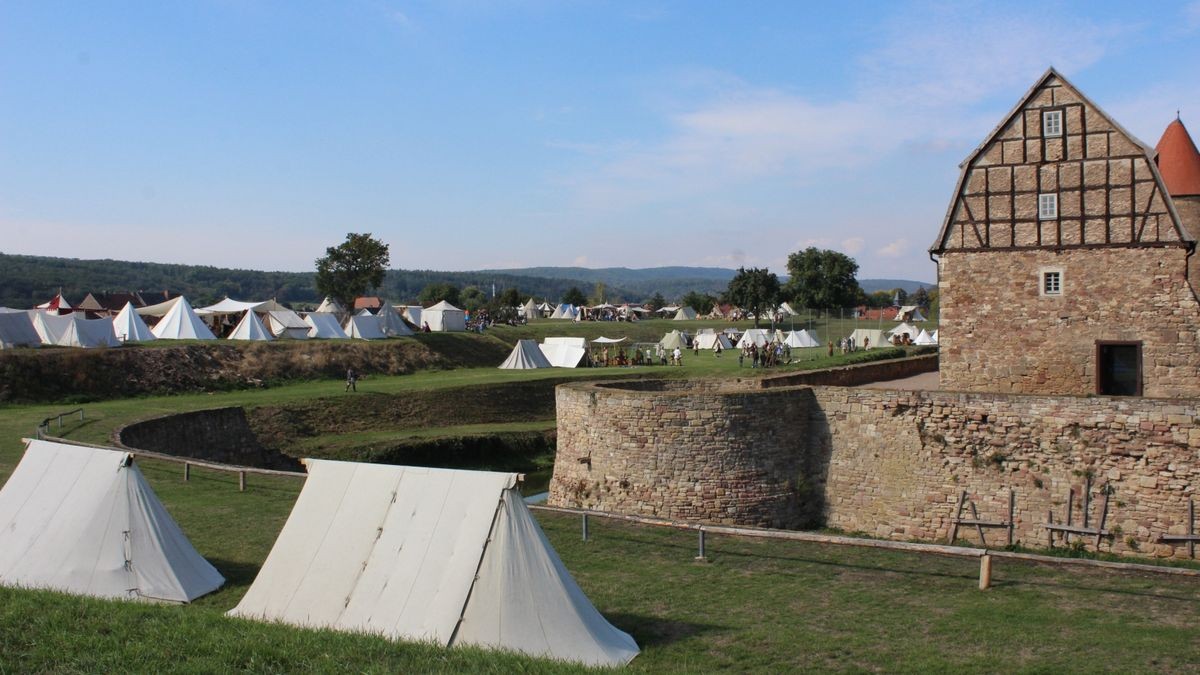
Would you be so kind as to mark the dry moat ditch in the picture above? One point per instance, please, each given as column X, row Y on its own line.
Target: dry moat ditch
column 498, row 427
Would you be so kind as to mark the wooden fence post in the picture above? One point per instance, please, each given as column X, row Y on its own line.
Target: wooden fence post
column 985, row 572
column 187, row 471
column 241, row 481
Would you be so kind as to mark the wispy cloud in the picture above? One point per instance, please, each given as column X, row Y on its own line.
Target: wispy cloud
column 894, row 249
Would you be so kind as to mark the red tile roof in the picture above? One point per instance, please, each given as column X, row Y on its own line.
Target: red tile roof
column 1178, row 161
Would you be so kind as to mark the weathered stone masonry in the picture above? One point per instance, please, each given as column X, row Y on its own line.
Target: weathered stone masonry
column 889, row 463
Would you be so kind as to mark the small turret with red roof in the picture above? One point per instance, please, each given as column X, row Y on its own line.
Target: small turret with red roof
column 1179, row 161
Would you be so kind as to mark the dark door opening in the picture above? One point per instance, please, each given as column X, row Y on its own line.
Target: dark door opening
column 1119, row 368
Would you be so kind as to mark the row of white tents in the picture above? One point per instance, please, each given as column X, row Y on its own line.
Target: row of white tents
column 178, row 320
column 436, row 555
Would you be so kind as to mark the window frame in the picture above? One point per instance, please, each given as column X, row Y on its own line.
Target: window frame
column 1059, row 117
column 1042, row 197
column 1141, row 365
column 1044, row 274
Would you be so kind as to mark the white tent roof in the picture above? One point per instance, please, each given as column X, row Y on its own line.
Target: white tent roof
column 607, row 340
column 564, row 352
column 530, row 310
column 546, row 307
column 800, row 339
column 912, row 312
column 323, row 325
column 754, row 336
column 924, row 338
column 83, row 520
column 251, row 328
column 390, row 323
column 331, row 306
column 160, row 309
column 786, row 309
column 181, row 323
column 934, row 335
column 364, row 327
column 904, row 328
column 861, row 334
column 231, row 306
column 711, row 340
column 451, row 557
column 565, row 311
column 72, row 330
column 685, row 314
column 444, row 317
column 16, row 330
column 129, row 327
column 672, row 340
column 526, row 355
column 284, row 323
column 57, row 302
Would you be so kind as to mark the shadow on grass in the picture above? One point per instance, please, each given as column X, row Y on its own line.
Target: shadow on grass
column 237, row 574
column 653, row 631
column 1017, row 583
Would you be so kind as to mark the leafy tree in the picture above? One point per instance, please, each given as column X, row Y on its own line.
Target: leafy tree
column 920, row 298
column 574, row 296
column 351, row 268
column 437, row 292
column 822, row 279
column 658, row 301
column 701, row 302
column 472, row 298
column 754, row 290
column 599, row 293
column 879, row 299
column 510, row 297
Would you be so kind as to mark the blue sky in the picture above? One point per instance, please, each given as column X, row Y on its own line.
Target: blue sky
column 491, row 133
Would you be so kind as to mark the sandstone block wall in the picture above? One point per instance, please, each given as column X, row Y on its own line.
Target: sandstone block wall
column 865, row 373
column 680, row 450
column 998, row 333
column 888, row 463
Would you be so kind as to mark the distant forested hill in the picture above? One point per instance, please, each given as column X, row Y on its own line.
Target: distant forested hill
column 28, row 280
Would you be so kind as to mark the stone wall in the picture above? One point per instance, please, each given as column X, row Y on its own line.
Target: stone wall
column 999, row 333
column 711, row 453
column 221, row 435
column 888, row 463
column 863, row 373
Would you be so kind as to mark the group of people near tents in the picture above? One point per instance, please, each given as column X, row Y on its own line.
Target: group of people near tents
column 445, row 556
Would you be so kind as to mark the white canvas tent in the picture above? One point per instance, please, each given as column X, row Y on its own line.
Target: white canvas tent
column 390, row 323
column 444, row 317
column 161, row 309
column 83, row 520
column 526, row 355
column 861, row 335
column 934, row 335
column 754, row 336
column 16, row 329
column 251, row 328
column 446, row 556
column 530, row 310
column 324, row 326
column 924, row 338
column 231, row 306
column 413, row 314
column 910, row 313
column 565, row 311
column 286, row 324
column 673, row 340
column 72, row 330
column 711, row 340
column 331, row 306
column 129, row 327
column 181, row 323
column 904, row 328
column 685, row 314
column 362, row 327
column 564, row 352
column 800, row 339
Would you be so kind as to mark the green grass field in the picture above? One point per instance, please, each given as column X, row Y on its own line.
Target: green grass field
column 757, row 605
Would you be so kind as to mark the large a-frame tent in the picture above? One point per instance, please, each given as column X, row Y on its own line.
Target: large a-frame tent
column 83, row 520
column 390, row 323
column 72, row 330
column 129, row 326
column 364, row 327
column 446, row 556
column 324, row 326
column 181, row 323
column 526, row 355
column 444, row 317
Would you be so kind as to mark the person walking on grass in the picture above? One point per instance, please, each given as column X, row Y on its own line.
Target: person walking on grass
column 351, row 379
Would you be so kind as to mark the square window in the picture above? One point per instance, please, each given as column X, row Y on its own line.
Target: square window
column 1052, row 123
column 1047, row 207
column 1051, row 283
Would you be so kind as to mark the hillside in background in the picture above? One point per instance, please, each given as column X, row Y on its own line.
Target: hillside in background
column 28, row 280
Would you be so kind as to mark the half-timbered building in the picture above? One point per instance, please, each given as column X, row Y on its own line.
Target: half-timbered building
column 1063, row 264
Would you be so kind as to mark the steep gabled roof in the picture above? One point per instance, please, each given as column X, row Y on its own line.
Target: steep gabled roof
column 1179, row 161
column 965, row 166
